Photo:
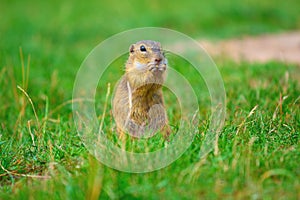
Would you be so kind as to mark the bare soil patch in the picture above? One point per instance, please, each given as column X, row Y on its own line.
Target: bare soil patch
column 284, row 47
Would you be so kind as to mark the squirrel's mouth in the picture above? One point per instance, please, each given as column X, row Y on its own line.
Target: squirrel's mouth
column 157, row 68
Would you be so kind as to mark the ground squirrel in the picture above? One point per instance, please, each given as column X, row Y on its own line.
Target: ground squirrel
column 138, row 104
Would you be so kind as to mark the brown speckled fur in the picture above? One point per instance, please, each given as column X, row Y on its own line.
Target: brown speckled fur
column 142, row 83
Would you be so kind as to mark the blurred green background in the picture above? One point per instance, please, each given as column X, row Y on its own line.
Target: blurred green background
column 58, row 35
column 54, row 39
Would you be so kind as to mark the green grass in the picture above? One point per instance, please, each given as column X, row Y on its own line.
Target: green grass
column 258, row 152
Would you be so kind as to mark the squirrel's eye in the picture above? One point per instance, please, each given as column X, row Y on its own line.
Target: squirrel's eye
column 143, row 48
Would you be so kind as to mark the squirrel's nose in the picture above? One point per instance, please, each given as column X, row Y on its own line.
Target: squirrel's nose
column 157, row 60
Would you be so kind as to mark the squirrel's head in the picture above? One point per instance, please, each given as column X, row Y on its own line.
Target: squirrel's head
column 146, row 62
column 146, row 55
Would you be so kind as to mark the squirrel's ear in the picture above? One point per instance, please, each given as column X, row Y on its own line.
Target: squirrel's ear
column 131, row 49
